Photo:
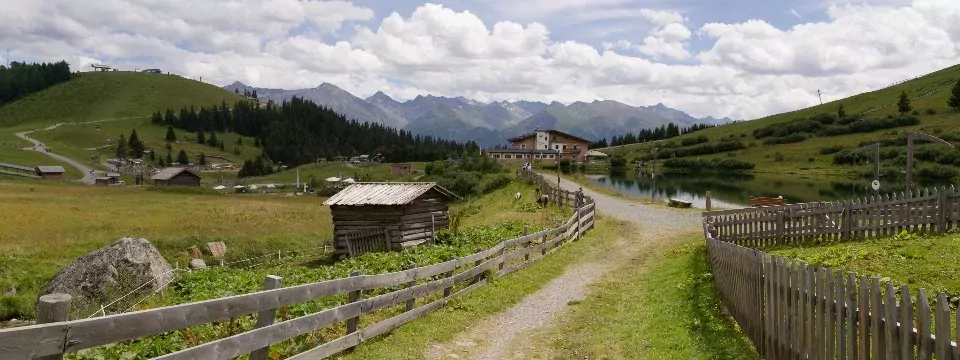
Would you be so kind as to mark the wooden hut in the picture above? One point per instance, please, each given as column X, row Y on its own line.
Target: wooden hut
column 50, row 172
column 401, row 169
column 397, row 215
column 175, row 176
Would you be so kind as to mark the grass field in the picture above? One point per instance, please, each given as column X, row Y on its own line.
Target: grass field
column 804, row 157
column 16, row 156
column 81, row 141
column 928, row 262
column 47, row 226
column 106, row 95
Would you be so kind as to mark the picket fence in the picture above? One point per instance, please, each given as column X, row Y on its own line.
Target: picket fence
column 790, row 309
column 51, row 338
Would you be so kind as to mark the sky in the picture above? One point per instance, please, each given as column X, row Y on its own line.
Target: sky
column 739, row 58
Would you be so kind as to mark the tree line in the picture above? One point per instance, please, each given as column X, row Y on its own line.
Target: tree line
column 21, row 79
column 662, row 132
column 299, row 131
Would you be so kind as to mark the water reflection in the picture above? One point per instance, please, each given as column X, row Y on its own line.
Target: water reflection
column 735, row 190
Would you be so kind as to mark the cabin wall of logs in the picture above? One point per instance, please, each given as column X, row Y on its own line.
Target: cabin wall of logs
column 405, row 225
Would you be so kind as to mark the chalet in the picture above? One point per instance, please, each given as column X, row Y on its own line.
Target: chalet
column 176, row 176
column 566, row 146
column 50, row 172
column 522, row 155
column 393, row 215
column 152, row 71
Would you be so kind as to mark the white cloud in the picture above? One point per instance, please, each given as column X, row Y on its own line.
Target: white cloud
column 748, row 69
column 795, row 13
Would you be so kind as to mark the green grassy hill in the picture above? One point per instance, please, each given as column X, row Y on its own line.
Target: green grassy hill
column 928, row 93
column 107, row 95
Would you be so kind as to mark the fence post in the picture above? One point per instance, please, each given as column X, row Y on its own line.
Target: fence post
column 941, row 210
column 476, row 278
column 500, row 256
column 847, row 220
column 526, row 231
column 448, row 290
column 413, row 301
column 50, row 309
column 578, row 223
column 266, row 317
column 353, row 297
column 781, row 230
column 708, row 200
column 433, row 228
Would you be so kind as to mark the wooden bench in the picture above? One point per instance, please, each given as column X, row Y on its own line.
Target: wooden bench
column 762, row 201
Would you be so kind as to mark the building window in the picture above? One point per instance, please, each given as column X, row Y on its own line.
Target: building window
column 496, row 156
column 507, row 156
column 523, row 146
column 564, row 147
column 537, row 156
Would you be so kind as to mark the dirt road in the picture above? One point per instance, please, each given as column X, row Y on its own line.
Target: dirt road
column 507, row 335
column 38, row 147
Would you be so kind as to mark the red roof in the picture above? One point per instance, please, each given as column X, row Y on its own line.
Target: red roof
column 534, row 133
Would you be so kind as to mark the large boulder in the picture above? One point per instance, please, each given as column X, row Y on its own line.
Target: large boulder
column 103, row 275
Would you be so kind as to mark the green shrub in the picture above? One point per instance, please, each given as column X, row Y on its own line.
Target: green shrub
column 778, row 157
column 792, row 138
column 708, row 165
column 833, row 149
column 848, row 156
column 494, row 182
column 931, row 112
column 617, row 161
column 937, row 171
column 565, row 165
column 694, row 140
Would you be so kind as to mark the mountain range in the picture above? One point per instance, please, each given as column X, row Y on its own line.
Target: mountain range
column 490, row 123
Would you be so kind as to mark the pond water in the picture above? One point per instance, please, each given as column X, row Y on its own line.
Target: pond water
column 735, row 190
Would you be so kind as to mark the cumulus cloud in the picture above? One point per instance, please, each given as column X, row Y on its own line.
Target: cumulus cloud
column 747, row 69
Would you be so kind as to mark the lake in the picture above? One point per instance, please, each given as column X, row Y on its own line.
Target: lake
column 735, row 190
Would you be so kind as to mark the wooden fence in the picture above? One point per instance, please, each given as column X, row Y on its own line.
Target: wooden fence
column 793, row 310
column 403, row 288
column 929, row 211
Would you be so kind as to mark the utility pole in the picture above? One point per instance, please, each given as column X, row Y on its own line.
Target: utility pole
column 820, row 97
column 910, row 139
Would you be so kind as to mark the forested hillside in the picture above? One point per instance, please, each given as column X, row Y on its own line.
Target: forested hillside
column 300, row 131
column 21, row 79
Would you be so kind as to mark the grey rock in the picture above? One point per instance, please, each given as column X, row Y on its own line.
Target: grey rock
column 10, row 291
column 110, row 272
column 198, row 264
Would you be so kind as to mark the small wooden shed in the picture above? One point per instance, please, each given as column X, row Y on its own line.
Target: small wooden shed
column 404, row 214
column 50, row 172
column 104, row 181
column 176, row 176
column 401, row 169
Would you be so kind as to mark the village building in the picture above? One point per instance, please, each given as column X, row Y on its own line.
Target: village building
column 387, row 216
column 401, row 169
column 50, row 172
column 540, row 145
column 176, row 176
column 104, row 181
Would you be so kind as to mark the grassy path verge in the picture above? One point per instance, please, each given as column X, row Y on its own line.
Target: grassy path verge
column 661, row 305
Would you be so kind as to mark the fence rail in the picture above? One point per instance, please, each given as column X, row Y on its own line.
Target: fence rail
column 791, row 309
column 469, row 272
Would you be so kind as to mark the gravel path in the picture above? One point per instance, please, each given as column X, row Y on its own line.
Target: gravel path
column 38, row 147
column 506, row 335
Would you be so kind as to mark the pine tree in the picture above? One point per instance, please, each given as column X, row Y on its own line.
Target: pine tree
column 182, row 158
column 122, row 148
column 153, row 155
column 201, row 139
column 171, row 136
column 256, row 142
column 841, row 113
column 169, row 158
column 162, row 163
column 239, row 141
column 904, row 104
column 236, row 91
column 136, row 146
column 212, row 140
column 157, row 119
column 221, row 146
column 203, row 159
column 954, row 100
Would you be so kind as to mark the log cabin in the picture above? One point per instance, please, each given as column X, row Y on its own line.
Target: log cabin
column 404, row 214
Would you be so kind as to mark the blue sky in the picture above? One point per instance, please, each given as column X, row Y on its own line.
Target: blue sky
column 739, row 58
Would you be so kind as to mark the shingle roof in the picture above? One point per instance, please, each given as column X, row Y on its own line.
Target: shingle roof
column 50, row 169
column 521, row 151
column 384, row 193
column 170, row 172
column 532, row 133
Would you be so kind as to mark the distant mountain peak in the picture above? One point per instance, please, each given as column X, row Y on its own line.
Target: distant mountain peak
column 236, row 84
column 381, row 98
